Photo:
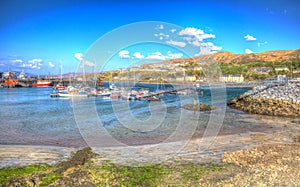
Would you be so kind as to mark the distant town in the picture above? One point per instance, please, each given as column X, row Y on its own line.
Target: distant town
column 279, row 66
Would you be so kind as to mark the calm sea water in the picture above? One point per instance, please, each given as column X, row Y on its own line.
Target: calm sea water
column 31, row 116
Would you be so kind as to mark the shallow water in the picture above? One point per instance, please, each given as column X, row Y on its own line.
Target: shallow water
column 30, row 116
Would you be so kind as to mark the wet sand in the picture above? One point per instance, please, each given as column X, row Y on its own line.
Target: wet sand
column 263, row 130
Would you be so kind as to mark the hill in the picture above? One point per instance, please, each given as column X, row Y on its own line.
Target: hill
column 227, row 57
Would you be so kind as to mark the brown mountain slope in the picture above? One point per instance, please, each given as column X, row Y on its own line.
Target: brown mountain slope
column 227, row 57
column 275, row 55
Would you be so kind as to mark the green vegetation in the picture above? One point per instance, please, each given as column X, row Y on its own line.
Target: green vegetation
column 119, row 175
column 11, row 173
column 81, row 170
column 158, row 175
column 49, row 178
column 249, row 70
column 258, row 70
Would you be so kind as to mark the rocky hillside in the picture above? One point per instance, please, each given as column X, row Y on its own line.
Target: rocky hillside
column 227, row 57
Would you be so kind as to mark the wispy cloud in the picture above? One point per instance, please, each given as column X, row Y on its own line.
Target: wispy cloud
column 173, row 30
column 36, row 60
column 157, row 56
column 208, row 48
column 17, row 60
column 249, row 37
column 176, row 43
column 162, row 36
column 261, row 43
column 89, row 63
column 160, row 27
column 174, row 55
column 191, row 31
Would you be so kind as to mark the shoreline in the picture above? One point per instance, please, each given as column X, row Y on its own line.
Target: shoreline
column 228, row 141
column 251, row 158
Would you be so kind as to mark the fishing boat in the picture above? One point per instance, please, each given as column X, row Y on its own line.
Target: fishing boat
column 136, row 93
column 10, row 83
column 42, row 83
column 73, row 92
column 59, row 87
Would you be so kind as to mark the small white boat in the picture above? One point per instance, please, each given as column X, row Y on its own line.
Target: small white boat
column 73, row 92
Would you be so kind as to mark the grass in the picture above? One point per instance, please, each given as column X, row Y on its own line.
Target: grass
column 14, row 172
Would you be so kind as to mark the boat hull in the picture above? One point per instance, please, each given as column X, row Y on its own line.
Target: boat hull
column 42, row 84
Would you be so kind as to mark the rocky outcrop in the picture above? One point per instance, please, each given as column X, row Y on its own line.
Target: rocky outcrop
column 198, row 107
column 275, row 100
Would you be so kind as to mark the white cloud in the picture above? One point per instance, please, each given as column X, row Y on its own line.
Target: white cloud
column 188, row 38
column 162, row 36
column 173, row 30
column 196, row 43
column 138, row 55
column 18, row 60
column 174, row 55
column 36, row 60
column 34, row 67
column 216, row 48
column 205, row 36
column 157, row 56
column 190, row 31
column 176, row 43
column 261, row 43
column 51, row 64
column 124, row 54
column 248, row 51
column 161, row 26
column 88, row 63
column 249, row 37
column 210, row 47
column 204, row 51
column 79, row 56
column 195, row 36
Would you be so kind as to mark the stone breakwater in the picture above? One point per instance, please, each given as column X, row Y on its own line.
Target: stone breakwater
column 273, row 100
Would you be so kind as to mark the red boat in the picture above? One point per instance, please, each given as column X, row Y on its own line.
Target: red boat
column 42, row 83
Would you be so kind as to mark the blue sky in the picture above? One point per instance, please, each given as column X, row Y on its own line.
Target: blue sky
column 39, row 36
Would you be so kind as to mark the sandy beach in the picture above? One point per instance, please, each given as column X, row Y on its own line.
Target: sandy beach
column 229, row 139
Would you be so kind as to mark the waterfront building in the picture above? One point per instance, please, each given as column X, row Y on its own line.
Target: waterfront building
column 237, row 78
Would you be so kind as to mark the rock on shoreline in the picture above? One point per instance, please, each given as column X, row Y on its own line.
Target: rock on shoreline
column 198, row 107
column 275, row 100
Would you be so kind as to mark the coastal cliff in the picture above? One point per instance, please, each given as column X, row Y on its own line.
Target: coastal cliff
column 275, row 100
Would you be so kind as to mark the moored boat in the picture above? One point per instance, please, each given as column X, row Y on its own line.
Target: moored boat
column 72, row 92
column 42, row 83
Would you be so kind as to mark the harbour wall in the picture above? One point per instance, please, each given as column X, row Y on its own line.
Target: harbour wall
column 274, row 100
